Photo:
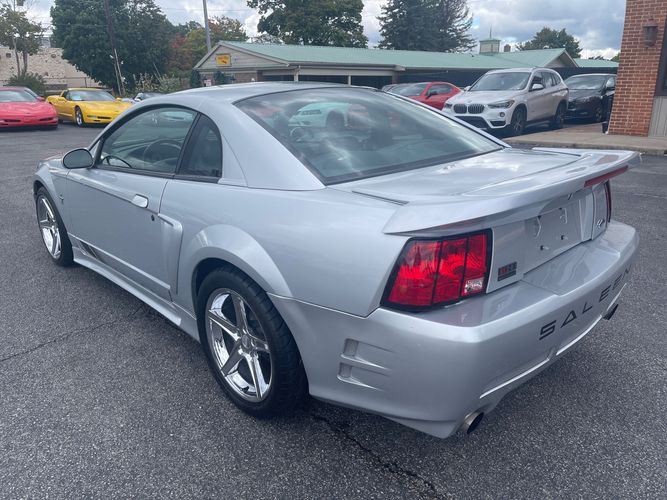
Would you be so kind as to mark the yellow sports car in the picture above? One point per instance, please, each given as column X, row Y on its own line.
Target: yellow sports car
column 85, row 106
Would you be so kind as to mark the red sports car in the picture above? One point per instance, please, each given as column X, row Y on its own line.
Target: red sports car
column 19, row 108
column 435, row 94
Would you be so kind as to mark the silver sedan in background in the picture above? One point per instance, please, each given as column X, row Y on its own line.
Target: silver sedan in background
column 391, row 259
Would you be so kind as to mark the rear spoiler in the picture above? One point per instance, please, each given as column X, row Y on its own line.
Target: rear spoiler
column 514, row 199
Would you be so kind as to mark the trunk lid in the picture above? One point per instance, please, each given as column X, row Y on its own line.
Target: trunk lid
column 536, row 202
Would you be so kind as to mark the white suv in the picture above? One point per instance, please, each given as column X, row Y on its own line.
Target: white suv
column 509, row 99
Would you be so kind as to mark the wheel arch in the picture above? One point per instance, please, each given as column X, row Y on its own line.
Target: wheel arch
column 229, row 246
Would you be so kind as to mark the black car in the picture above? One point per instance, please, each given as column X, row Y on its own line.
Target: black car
column 591, row 96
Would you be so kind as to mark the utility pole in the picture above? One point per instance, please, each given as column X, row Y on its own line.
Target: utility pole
column 206, row 28
column 114, row 55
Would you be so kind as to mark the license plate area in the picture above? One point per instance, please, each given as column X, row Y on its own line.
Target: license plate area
column 552, row 233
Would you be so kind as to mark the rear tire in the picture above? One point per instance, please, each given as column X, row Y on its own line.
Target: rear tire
column 559, row 118
column 53, row 232
column 252, row 353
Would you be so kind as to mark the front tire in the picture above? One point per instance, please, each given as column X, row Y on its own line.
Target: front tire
column 53, row 232
column 559, row 118
column 518, row 123
column 249, row 348
column 78, row 117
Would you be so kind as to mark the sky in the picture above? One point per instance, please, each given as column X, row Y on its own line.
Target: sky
column 598, row 25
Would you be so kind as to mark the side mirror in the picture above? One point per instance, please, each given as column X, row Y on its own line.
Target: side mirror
column 41, row 99
column 466, row 88
column 78, row 158
column 119, row 98
column 611, row 87
column 536, row 86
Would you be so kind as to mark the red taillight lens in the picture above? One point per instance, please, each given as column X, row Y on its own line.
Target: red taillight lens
column 415, row 278
column 431, row 273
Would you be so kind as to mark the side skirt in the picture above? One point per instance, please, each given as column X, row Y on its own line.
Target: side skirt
column 171, row 311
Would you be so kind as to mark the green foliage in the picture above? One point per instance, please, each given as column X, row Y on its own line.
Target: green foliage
column 313, row 22
column 431, row 25
column 33, row 81
column 168, row 84
column 188, row 45
column 195, row 79
column 616, row 58
column 20, row 34
column 548, row 38
column 142, row 37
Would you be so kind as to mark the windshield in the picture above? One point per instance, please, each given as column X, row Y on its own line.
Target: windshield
column 343, row 134
column 16, row 96
column 409, row 89
column 515, row 80
column 586, row 82
column 90, row 95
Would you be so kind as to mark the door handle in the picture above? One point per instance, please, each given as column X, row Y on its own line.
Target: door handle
column 140, row 201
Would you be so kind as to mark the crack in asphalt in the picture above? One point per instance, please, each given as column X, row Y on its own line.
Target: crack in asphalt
column 66, row 335
column 391, row 466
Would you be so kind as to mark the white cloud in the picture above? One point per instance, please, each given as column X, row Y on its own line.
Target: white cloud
column 597, row 24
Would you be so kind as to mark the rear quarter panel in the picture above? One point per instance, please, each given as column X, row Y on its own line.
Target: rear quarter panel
column 323, row 247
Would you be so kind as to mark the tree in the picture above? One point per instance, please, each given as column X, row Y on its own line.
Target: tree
column 221, row 28
column 20, row 34
column 432, row 25
column 313, row 22
column 188, row 45
column 616, row 58
column 142, row 37
column 548, row 38
column 597, row 58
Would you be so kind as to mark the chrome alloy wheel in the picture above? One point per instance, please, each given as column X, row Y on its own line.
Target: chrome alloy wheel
column 239, row 345
column 48, row 226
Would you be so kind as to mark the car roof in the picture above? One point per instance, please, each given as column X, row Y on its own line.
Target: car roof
column 518, row 70
column 238, row 91
column 593, row 74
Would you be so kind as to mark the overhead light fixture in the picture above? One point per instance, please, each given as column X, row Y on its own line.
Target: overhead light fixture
column 650, row 29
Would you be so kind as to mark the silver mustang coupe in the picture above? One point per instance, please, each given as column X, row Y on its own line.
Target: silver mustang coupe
column 345, row 242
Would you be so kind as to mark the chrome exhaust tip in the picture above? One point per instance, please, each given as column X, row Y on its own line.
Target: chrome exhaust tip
column 472, row 421
column 611, row 312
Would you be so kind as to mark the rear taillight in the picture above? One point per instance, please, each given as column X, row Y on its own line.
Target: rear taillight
column 607, row 192
column 436, row 272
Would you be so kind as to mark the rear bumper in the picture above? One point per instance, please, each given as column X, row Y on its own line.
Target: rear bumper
column 430, row 370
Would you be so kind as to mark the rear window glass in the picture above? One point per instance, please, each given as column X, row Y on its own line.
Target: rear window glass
column 343, row 134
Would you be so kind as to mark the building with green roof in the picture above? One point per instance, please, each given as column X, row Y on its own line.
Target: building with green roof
column 244, row 62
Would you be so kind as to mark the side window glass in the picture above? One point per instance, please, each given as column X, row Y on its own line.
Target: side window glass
column 205, row 147
column 150, row 142
column 440, row 89
column 546, row 79
column 537, row 78
column 611, row 82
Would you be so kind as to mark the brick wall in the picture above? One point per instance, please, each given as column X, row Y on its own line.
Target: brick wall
column 638, row 71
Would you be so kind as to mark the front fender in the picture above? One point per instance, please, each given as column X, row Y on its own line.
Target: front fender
column 235, row 246
column 52, row 175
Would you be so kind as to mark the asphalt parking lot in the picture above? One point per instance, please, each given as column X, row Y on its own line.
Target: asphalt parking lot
column 101, row 397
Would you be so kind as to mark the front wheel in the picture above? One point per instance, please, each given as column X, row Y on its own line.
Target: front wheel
column 559, row 118
column 518, row 123
column 52, row 229
column 78, row 116
column 249, row 348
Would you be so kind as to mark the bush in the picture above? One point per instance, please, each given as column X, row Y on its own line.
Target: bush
column 168, row 84
column 33, row 81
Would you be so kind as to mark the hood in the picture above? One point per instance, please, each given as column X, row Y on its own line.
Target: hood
column 483, row 97
column 583, row 93
column 26, row 108
column 106, row 106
